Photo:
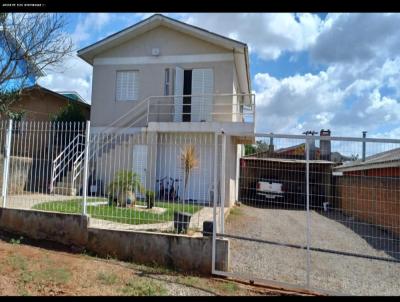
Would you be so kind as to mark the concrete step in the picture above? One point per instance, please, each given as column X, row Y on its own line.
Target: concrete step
column 68, row 191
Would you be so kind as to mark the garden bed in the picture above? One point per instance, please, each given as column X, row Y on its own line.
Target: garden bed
column 130, row 215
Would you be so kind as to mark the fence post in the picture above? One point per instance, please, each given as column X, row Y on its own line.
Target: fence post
column 86, row 167
column 308, row 208
column 6, row 162
column 215, row 200
column 223, row 158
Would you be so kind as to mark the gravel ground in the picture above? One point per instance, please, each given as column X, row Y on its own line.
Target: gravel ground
column 331, row 272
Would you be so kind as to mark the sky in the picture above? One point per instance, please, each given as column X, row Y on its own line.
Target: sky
column 309, row 71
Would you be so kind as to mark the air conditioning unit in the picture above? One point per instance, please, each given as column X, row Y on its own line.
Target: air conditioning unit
column 155, row 51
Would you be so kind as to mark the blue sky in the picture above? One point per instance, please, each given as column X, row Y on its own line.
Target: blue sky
column 309, row 71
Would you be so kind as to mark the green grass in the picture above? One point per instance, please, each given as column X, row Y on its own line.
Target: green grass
column 143, row 287
column 107, row 278
column 119, row 214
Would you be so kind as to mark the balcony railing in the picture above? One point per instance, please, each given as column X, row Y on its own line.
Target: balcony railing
column 237, row 108
column 202, row 108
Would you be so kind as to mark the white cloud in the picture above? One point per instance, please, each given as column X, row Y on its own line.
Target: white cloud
column 267, row 34
column 90, row 24
column 333, row 99
column 76, row 76
column 354, row 38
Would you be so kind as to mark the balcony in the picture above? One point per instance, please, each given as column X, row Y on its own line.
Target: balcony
column 206, row 112
column 232, row 113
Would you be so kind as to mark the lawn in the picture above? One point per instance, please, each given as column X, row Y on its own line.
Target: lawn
column 119, row 214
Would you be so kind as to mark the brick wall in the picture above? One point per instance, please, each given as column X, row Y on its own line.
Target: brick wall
column 375, row 200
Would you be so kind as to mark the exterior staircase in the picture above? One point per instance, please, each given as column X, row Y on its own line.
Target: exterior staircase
column 67, row 185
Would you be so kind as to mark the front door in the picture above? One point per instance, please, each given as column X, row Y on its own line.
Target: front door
column 140, row 165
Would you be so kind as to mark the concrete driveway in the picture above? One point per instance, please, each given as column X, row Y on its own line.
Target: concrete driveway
column 332, row 230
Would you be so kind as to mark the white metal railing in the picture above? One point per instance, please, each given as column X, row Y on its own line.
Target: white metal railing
column 202, row 108
column 62, row 162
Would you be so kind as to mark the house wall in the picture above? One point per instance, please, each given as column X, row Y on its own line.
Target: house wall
column 373, row 199
column 105, row 108
column 163, row 159
column 201, row 178
column 41, row 106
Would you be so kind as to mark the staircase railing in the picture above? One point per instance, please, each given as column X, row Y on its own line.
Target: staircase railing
column 61, row 162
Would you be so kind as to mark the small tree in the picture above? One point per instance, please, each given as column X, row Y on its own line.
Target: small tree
column 189, row 162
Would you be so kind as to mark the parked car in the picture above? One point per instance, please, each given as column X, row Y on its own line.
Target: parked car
column 270, row 189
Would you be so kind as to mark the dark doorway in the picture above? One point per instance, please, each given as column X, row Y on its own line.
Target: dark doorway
column 187, row 100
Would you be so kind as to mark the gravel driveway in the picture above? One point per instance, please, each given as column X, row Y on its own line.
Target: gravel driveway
column 331, row 272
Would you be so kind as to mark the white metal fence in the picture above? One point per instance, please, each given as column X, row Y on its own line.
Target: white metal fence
column 315, row 213
column 122, row 178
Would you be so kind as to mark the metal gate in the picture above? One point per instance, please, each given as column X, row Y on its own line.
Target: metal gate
column 319, row 213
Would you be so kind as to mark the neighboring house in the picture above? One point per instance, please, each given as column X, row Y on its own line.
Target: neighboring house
column 370, row 190
column 165, row 78
column 41, row 104
column 323, row 152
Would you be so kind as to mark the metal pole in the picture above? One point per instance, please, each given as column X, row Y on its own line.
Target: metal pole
column 308, row 208
column 364, row 134
column 223, row 158
column 86, row 167
column 6, row 163
column 215, row 200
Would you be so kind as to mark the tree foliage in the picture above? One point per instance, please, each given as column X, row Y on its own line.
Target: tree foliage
column 260, row 146
column 70, row 113
column 29, row 44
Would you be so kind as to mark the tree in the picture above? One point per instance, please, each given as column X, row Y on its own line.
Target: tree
column 260, row 146
column 189, row 162
column 70, row 113
column 29, row 44
column 6, row 99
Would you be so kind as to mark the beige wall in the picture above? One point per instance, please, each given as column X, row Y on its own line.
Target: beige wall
column 170, row 42
column 105, row 108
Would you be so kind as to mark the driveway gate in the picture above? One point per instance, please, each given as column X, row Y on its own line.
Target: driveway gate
column 317, row 212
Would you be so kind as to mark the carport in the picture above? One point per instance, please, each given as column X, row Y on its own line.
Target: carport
column 292, row 173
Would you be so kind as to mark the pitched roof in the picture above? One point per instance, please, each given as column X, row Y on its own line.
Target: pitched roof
column 60, row 95
column 240, row 49
column 73, row 95
column 390, row 158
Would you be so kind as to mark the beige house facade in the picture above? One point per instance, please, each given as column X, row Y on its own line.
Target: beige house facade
column 161, row 80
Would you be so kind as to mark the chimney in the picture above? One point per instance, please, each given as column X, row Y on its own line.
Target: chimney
column 271, row 144
column 325, row 145
column 364, row 133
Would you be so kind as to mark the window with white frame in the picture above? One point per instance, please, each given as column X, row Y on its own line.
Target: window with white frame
column 127, row 85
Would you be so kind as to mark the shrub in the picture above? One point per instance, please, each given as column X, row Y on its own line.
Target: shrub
column 123, row 186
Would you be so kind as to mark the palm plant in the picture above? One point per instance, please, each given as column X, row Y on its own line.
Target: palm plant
column 124, row 186
column 189, row 162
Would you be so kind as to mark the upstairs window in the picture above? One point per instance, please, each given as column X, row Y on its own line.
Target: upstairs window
column 127, row 85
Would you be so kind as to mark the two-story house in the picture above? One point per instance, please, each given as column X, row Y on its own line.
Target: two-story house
column 165, row 78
